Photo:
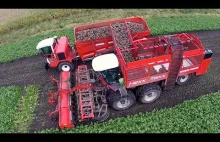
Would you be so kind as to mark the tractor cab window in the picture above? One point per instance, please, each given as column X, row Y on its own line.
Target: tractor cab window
column 46, row 50
column 110, row 75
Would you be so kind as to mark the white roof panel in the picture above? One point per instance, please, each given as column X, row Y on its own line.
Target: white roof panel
column 105, row 62
column 45, row 42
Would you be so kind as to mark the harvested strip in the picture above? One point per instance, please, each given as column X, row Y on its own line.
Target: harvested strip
column 101, row 32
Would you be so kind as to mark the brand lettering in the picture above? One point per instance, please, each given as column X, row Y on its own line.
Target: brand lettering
column 189, row 69
column 157, row 77
column 137, row 82
column 98, row 44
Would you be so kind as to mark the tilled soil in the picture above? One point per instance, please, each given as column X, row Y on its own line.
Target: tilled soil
column 26, row 71
column 31, row 70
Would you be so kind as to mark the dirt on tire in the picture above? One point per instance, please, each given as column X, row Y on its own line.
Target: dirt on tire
column 31, row 70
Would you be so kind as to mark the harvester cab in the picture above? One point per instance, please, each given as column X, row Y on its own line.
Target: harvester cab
column 58, row 52
column 107, row 66
column 46, row 47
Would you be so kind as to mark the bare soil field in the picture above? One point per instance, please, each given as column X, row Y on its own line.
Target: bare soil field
column 31, row 70
column 13, row 14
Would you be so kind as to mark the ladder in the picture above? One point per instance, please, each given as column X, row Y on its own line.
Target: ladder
column 85, row 94
column 177, row 57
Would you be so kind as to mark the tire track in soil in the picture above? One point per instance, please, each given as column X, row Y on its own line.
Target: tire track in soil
column 23, row 72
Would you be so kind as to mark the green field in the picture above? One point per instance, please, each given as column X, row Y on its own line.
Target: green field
column 159, row 21
column 17, row 107
column 193, row 116
column 19, row 38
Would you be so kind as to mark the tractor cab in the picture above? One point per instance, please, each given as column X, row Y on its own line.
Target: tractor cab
column 107, row 65
column 46, row 46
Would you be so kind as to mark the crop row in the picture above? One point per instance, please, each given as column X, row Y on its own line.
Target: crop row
column 17, row 106
column 193, row 116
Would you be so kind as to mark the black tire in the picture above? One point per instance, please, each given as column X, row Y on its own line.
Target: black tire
column 65, row 66
column 183, row 79
column 114, row 99
column 149, row 93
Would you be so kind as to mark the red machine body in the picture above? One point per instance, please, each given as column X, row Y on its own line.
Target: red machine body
column 63, row 52
column 155, row 59
column 83, row 93
column 91, row 48
column 63, row 97
column 140, row 71
column 64, row 101
column 57, row 51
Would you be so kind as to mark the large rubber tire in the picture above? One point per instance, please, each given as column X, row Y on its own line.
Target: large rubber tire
column 65, row 66
column 183, row 79
column 121, row 103
column 149, row 93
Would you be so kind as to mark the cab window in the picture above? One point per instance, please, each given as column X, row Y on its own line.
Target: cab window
column 46, row 50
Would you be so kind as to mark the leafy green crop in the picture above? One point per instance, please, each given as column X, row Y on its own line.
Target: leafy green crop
column 27, row 105
column 17, row 106
column 9, row 98
column 193, row 116
column 158, row 25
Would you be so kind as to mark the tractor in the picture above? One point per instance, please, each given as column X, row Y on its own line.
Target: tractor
column 58, row 53
column 117, row 64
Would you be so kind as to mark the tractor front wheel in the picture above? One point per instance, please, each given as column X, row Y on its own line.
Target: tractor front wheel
column 123, row 102
column 183, row 79
column 150, row 93
column 65, row 66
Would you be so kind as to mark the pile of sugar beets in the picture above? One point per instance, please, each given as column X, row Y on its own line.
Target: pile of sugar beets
column 120, row 34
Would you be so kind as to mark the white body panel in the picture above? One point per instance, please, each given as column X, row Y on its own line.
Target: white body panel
column 105, row 62
column 46, row 42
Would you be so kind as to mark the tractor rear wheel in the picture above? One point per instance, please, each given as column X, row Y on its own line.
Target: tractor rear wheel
column 183, row 79
column 65, row 66
column 149, row 93
column 119, row 102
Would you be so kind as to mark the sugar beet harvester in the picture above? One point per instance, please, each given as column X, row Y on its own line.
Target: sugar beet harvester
column 127, row 65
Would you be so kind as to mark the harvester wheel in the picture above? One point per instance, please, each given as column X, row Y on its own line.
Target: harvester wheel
column 103, row 117
column 149, row 93
column 183, row 79
column 119, row 102
column 65, row 66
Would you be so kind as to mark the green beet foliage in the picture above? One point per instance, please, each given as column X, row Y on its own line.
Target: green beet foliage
column 193, row 116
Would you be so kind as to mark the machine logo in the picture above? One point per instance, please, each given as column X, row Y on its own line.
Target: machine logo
column 137, row 82
column 189, row 69
column 157, row 77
